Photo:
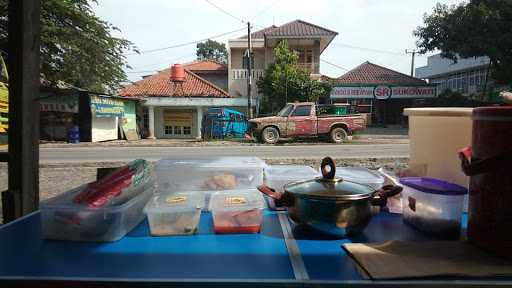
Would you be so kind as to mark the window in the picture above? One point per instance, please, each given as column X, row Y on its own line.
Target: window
column 302, row 111
column 177, row 130
column 168, row 130
column 145, row 118
column 285, row 111
column 187, row 130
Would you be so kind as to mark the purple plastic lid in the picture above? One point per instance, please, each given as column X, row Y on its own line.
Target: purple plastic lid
column 433, row 186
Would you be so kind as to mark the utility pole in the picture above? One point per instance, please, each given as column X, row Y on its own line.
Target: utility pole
column 249, row 72
column 413, row 53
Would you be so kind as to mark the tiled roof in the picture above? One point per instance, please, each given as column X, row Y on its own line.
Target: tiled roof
column 369, row 73
column 159, row 85
column 206, row 65
column 297, row 28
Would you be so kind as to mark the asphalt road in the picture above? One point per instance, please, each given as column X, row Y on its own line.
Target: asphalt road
column 101, row 154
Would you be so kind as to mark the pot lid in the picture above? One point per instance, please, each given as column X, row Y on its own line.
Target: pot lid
column 330, row 187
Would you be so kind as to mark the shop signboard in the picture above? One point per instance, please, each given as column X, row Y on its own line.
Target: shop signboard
column 383, row 92
column 172, row 118
column 106, row 107
column 59, row 103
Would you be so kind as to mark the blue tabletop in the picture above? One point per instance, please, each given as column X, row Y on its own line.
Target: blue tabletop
column 139, row 256
column 206, row 256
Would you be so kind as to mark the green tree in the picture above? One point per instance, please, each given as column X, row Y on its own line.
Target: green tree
column 77, row 47
column 472, row 29
column 284, row 81
column 212, row 50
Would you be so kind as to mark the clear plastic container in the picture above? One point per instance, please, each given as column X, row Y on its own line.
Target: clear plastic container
column 361, row 175
column 62, row 219
column 433, row 206
column 174, row 214
column 237, row 211
column 214, row 174
column 277, row 176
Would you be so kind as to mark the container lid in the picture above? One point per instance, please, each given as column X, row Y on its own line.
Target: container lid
column 291, row 172
column 175, row 202
column 330, row 187
column 433, row 186
column 212, row 162
column 360, row 175
column 236, row 200
column 493, row 113
column 442, row 111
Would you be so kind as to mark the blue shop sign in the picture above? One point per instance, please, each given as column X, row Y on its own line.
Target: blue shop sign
column 106, row 107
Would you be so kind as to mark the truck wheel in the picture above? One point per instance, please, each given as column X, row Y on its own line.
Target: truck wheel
column 339, row 135
column 270, row 135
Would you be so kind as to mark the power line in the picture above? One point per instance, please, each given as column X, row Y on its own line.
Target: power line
column 225, row 12
column 335, row 65
column 166, row 60
column 185, row 44
column 262, row 11
column 372, row 49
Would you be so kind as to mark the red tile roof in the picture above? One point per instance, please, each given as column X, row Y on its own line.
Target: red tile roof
column 297, row 28
column 369, row 73
column 206, row 66
column 159, row 85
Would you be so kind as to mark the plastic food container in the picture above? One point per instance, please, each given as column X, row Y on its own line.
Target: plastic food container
column 276, row 176
column 361, row 175
column 212, row 174
column 174, row 214
column 433, row 206
column 64, row 220
column 237, row 211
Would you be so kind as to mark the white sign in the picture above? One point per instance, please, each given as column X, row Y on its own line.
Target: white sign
column 383, row 92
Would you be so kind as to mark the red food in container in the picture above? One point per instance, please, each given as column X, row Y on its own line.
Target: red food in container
column 237, row 211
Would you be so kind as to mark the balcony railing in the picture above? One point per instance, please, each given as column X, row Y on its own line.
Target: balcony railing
column 239, row 74
column 312, row 68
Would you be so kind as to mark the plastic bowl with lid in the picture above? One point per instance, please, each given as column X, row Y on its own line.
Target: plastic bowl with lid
column 174, row 214
column 433, row 206
column 237, row 211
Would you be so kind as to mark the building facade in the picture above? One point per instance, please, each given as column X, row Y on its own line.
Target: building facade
column 174, row 110
column 467, row 75
column 380, row 92
column 307, row 39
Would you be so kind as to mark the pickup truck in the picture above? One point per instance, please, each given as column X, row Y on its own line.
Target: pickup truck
column 305, row 119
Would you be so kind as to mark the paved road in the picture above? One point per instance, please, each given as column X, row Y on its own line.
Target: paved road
column 99, row 154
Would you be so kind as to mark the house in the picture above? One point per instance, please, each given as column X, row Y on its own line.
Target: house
column 380, row 91
column 210, row 70
column 174, row 109
column 466, row 76
column 307, row 39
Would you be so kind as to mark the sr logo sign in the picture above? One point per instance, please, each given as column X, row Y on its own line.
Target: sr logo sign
column 382, row 92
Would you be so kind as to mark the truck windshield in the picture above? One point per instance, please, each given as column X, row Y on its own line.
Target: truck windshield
column 285, row 111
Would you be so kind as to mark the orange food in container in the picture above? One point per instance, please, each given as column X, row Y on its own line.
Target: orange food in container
column 237, row 211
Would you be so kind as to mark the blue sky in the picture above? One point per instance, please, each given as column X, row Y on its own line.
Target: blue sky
column 384, row 25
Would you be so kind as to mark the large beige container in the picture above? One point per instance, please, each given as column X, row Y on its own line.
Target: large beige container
column 435, row 135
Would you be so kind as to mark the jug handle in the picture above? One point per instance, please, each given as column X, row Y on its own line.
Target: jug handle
column 472, row 167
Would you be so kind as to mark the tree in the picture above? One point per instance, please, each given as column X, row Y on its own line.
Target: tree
column 284, row 81
column 477, row 28
column 212, row 50
column 77, row 47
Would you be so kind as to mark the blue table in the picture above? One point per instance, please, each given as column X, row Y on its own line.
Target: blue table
column 281, row 255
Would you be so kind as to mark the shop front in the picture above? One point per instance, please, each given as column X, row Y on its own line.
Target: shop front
column 58, row 113
column 176, row 123
column 380, row 92
column 105, row 115
column 385, row 103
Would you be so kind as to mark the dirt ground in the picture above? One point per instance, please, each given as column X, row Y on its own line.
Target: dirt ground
column 58, row 178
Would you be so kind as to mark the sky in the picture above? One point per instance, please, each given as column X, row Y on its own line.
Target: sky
column 378, row 31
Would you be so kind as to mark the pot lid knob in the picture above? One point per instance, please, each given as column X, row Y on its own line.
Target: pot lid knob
column 328, row 168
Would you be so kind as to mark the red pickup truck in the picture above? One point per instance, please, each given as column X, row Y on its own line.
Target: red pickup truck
column 304, row 119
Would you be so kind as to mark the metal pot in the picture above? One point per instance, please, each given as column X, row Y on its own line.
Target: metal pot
column 331, row 205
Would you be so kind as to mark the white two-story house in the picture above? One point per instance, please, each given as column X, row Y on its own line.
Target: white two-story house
column 307, row 39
